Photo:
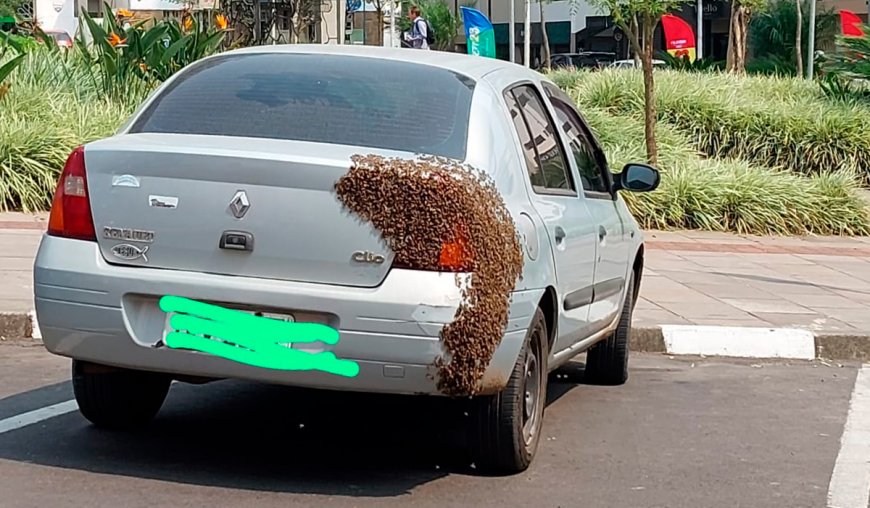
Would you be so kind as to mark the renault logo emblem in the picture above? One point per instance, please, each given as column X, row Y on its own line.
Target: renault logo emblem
column 239, row 205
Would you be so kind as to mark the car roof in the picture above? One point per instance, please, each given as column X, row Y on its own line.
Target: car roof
column 474, row 67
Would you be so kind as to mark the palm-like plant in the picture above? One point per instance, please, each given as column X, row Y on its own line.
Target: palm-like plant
column 149, row 54
column 7, row 65
column 773, row 35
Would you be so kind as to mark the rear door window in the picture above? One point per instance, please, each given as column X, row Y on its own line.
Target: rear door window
column 335, row 99
column 548, row 167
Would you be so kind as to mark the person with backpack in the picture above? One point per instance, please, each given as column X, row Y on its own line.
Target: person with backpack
column 421, row 36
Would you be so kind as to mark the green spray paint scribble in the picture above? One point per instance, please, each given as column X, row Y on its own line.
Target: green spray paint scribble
column 253, row 340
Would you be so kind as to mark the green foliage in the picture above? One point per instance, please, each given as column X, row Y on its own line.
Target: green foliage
column 772, row 36
column 11, row 55
column 53, row 106
column 120, row 56
column 9, row 8
column 724, row 194
column 60, row 99
column 847, row 70
column 684, row 64
column 623, row 11
column 772, row 122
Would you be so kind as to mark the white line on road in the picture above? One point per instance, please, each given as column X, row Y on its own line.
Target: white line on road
column 37, row 415
column 850, row 482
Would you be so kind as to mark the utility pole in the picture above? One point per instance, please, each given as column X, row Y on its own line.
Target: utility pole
column 699, row 46
column 340, row 21
column 811, row 44
column 527, row 35
column 512, row 33
column 392, row 24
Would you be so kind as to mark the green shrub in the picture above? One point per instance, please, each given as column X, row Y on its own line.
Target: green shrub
column 684, row 64
column 11, row 55
column 729, row 195
column 120, row 56
column 61, row 99
column 767, row 121
column 772, row 34
column 847, row 70
column 53, row 106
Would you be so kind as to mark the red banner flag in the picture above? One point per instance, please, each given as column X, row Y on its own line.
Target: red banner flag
column 679, row 37
column 851, row 24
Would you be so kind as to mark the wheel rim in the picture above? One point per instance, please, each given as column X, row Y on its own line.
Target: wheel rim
column 531, row 394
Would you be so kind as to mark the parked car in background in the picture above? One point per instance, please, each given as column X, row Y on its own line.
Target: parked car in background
column 61, row 38
column 148, row 212
column 586, row 59
column 624, row 64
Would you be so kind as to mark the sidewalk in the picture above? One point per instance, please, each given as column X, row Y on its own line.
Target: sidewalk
column 698, row 278
column 820, row 284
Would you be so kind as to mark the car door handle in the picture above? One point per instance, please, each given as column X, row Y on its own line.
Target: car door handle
column 560, row 234
column 601, row 233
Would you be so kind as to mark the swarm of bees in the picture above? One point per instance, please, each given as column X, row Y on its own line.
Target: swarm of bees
column 437, row 214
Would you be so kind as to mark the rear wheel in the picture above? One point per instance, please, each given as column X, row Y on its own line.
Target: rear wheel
column 117, row 398
column 607, row 361
column 507, row 426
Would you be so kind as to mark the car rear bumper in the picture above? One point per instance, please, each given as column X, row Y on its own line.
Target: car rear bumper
column 91, row 310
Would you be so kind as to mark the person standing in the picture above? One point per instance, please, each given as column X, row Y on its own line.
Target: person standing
column 419, row 36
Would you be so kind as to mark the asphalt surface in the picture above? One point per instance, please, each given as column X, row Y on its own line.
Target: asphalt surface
column 682, row 432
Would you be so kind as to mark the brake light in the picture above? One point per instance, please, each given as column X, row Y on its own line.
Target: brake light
column 71, row 208
column 455, row 256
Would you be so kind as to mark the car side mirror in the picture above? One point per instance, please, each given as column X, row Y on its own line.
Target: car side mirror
column 637, row 178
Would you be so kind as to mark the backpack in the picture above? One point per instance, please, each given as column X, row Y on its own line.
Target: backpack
column 430, row 34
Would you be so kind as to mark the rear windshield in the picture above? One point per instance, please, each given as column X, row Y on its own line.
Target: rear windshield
column 321, row 98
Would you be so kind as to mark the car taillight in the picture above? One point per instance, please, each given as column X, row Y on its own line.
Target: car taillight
column 455, row 256
column 71, row 209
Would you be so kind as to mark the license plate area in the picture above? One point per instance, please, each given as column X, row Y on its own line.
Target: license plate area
column 309, row 347
column 147, row 324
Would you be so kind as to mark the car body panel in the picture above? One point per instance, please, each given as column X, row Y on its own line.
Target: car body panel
column 185, row 187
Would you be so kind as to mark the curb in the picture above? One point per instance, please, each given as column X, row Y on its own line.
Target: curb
column 820, row 345
column 734, row 342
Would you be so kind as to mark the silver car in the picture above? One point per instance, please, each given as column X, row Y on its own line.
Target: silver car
column 220, row 189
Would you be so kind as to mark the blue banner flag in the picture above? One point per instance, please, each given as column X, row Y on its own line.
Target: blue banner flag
column 478, row 32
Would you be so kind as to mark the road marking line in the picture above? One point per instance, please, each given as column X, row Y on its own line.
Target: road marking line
column 742, row 342
column 850, row 481
column 37, row 415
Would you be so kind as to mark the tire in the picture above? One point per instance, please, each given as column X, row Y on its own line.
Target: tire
column 607, row 361
column 117, row 398
column 506, row 427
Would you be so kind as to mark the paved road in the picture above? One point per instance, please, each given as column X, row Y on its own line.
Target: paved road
column 682, row 433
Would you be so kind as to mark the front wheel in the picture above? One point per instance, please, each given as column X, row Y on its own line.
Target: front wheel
column 507, row 427
column 117, row 398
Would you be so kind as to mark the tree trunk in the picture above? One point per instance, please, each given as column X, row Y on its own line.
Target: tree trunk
column 634, row 52
column 294, row 30
column 545, row 47
column 737, row 32
column 295, row 21
column 798, row 44
column 649, row 93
